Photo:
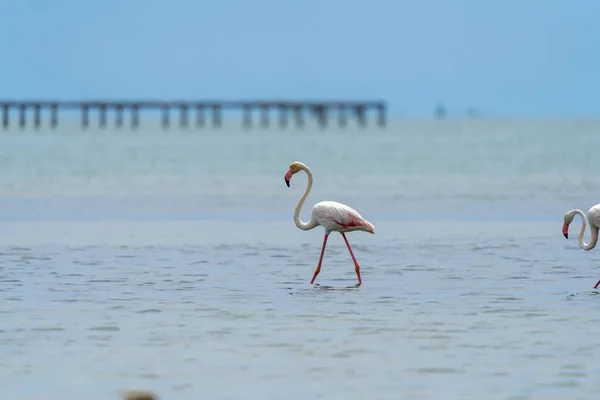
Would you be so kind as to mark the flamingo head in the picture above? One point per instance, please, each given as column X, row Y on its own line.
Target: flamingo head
column 294, row 167
column 568, row 219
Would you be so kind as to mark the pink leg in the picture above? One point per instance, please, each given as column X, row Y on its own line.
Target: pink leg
column 320, row 258
column 356, row 267
column 595, row 287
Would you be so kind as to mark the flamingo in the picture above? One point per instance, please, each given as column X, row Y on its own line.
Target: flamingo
column 593, row 217
column 331, row 215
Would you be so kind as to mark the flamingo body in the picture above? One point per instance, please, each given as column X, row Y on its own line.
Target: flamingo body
column 593, row 217
column 331, row 215
column 338, row 217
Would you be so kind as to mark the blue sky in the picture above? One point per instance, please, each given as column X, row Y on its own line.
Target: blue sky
column 505, row 58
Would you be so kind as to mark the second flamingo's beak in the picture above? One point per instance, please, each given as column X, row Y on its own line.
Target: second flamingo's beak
column 288, row 176
column 566, row 230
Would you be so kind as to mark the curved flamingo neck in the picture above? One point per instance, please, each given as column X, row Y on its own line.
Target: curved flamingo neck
column 310, row 224
column 593, row 231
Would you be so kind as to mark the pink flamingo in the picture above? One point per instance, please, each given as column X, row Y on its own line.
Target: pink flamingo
column 330, row 215
column 594, row 219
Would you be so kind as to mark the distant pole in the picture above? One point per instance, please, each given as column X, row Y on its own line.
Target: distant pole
column 440, row 111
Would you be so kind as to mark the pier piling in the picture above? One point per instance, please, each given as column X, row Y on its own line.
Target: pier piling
column 36, row 116
column 5, row 111
column 166, row 116
column 102, row 115
column 85, row 116
column 217, row 116
column 53, row 115
column 183, row 116
column 135, row 116
column 119, row 115
column 22, row 116
column 200, row 116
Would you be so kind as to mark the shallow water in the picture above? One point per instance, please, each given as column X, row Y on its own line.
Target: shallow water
column 133, row 277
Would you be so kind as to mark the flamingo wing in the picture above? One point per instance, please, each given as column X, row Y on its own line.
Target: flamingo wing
column 340, row 217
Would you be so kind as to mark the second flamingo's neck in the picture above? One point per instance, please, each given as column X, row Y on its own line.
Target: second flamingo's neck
column 593, row 232
column 310, row 224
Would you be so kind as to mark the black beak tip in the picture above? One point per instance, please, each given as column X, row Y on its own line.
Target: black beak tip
column 287, row 183
column 566, row 235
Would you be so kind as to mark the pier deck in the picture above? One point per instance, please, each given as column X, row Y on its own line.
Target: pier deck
column 206, row 112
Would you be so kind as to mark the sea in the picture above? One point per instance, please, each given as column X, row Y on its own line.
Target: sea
column 169, row 261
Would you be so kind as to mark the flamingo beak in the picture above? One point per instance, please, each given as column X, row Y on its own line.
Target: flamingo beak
column 565, row 230
column 288, row 176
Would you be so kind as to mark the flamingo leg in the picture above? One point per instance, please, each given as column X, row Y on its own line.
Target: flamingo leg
column 320, row 258
column 595, row 287
column 356, row 267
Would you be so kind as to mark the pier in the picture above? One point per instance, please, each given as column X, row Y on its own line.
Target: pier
column 207, row 113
